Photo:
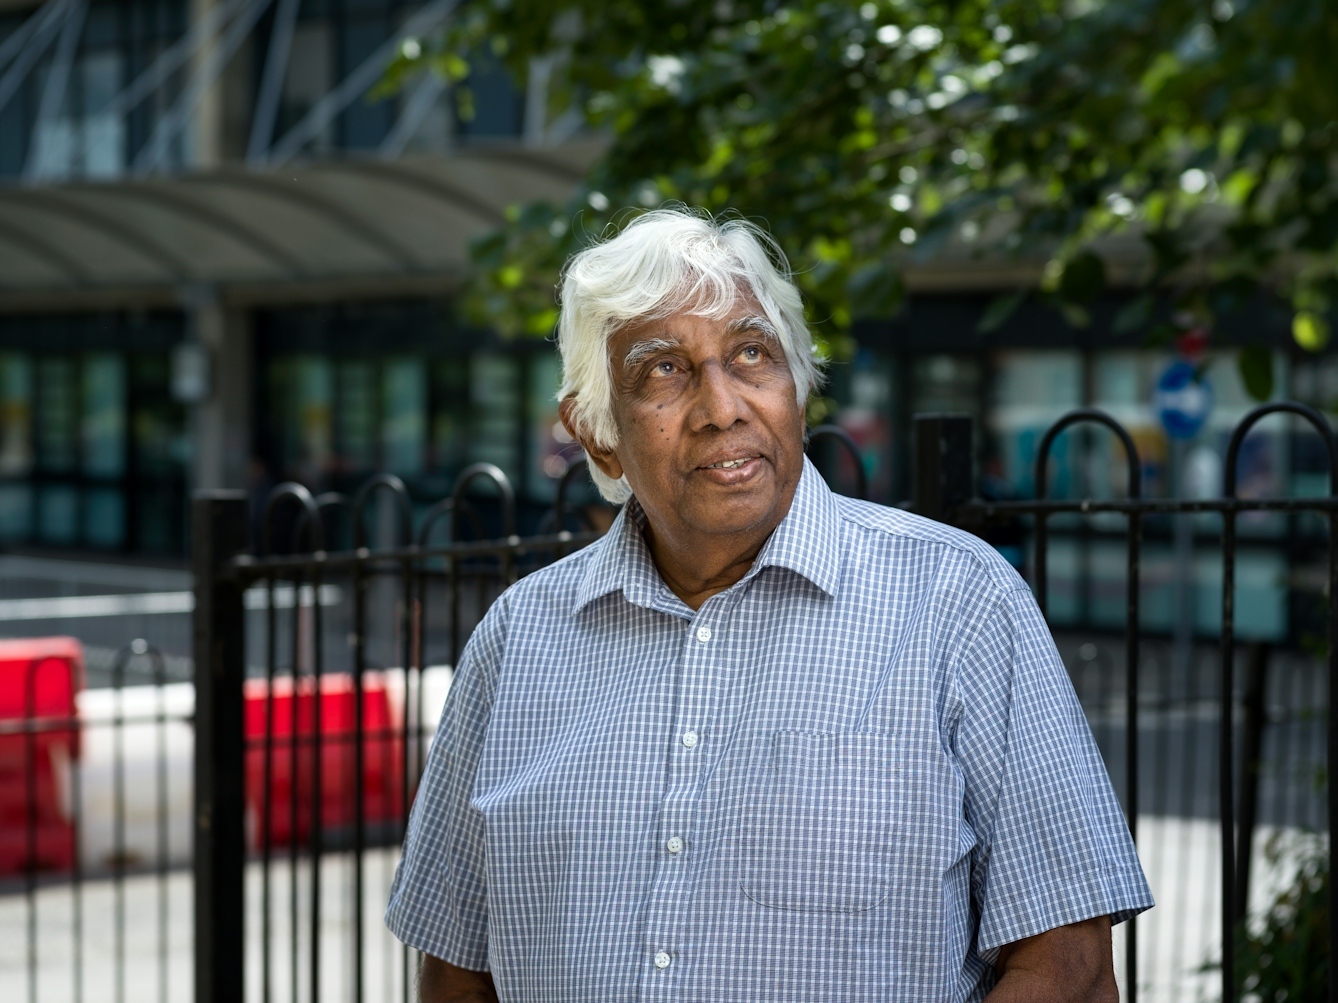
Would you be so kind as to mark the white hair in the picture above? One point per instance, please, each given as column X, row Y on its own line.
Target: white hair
column 663, row 262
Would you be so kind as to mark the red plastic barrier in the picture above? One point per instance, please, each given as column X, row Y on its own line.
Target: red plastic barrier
column 39, row 678
column 383, row 757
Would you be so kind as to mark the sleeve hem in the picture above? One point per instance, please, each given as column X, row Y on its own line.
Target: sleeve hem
column 1118, row 907
column 471, row 960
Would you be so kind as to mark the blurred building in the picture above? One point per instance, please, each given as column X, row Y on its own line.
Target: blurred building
column 222, row 264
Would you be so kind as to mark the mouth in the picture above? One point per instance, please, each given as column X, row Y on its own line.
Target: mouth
column 735, row 471
column 733, row 464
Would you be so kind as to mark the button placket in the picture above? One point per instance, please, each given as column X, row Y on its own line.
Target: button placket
column 667, row 916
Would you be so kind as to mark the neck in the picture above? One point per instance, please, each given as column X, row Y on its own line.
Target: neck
column 698, row 568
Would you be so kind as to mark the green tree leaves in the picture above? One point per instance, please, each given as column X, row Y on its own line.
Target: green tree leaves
column 869, row 137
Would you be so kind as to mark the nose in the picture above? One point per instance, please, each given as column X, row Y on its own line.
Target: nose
column 719, row 403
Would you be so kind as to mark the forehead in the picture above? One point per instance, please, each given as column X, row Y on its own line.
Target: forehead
column 685, row 325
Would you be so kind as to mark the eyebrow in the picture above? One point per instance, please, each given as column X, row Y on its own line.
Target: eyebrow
column 643, row 350
column 756, row 323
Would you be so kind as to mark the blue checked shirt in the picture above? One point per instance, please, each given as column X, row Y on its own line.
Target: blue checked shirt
column 854, row 775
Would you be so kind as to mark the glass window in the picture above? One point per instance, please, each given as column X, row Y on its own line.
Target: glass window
column 102, row 147
column 58, row 514
column 498, row 105
column 494, row 390
column 16, row 510
column 365, row 123
column 310, row 75
column 313, row 401
column 57, row 415
column 356, row 416
column 1122, row 385
column 16, row 456
column 104, row 518
column 404, row 428
column 450, row 418
column 1031, row 391
column 103, row 417
column 946, row 383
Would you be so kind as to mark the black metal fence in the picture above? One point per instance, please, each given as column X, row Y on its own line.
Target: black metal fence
column 319, row 673
column 943, row 480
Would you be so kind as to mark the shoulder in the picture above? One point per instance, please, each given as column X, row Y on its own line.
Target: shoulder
column 554, row 585
column 904, row 536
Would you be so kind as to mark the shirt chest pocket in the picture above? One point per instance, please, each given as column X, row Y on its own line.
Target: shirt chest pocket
column 819, row 824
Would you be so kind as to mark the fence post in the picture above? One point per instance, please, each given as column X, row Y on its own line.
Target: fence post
column 941, row 474
column 218, row 533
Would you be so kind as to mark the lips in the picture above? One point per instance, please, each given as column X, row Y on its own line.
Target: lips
column 730, row 464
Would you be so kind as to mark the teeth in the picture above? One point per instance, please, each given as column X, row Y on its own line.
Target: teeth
column 731, row 464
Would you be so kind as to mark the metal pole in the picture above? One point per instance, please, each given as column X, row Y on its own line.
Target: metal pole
column 218, row 533
column 1333, row 739
column 1252, row 741
column 1226, row 794
column 271, row 82
column 942, row 474
column 1131, row 653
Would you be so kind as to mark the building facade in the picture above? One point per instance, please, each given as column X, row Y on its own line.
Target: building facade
column 223, row 264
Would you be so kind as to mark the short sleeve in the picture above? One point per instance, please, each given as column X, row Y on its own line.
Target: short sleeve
column 1052, row 845
column 438, row 900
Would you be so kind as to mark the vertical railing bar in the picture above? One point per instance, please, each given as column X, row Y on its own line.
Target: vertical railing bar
column 30, row 863
column 159, row 668
column 409, row 647
column 118, row 824
column 293, row 786
column 266, row 795
column 1255, row 717
column 77, row 924
column 1332, row 729
column 1131, row 666
column 1225, row 766
column 413, row 733
column 317, row 785
column 359, row 663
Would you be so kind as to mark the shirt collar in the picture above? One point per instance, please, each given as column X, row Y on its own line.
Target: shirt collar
column 807, row 542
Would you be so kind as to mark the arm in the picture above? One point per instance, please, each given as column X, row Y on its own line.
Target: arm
column 1069, row 964
column 441, row 982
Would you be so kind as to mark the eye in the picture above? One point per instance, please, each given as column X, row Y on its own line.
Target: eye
column 751, row 353
column 664, row 368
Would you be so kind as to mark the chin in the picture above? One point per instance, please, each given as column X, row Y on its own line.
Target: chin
column 726, row 515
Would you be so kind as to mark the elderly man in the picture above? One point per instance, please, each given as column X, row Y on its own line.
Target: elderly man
column 760, row 742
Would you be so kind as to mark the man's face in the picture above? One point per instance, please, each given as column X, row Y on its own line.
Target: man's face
column 711, row 437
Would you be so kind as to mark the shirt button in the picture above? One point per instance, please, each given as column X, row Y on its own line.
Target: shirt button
column 690, row 739
column 703, row 634
column 661, row 960
column 675, row 845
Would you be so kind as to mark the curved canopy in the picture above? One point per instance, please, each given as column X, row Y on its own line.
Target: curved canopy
column 370, row 220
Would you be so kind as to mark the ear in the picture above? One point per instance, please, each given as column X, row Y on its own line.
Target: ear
column 605, row 459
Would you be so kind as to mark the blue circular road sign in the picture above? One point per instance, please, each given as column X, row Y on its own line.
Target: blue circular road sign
column 1182, row 400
